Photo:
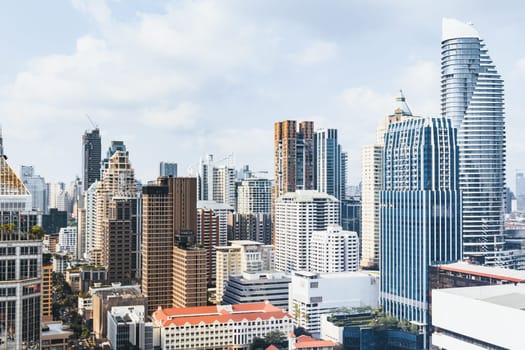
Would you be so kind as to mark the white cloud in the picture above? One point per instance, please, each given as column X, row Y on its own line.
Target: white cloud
column 521, row 65
column 421, row 84
column 316, row 52
column 182, row 116
column 98, row 9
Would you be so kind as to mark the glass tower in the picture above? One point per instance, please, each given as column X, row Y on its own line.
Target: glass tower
column 472, row 97
column 420, row 212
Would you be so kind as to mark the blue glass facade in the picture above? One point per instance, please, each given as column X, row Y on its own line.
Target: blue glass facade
column 330, row 164
column 420, row 212
column 472, row 97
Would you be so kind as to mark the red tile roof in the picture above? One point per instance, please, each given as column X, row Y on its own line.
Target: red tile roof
column 218, row 313
column 272, row 347
column 306, row 342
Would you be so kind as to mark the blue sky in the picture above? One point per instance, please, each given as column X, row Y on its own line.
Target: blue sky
column 176, row 80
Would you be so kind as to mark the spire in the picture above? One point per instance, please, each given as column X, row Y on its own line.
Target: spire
column 402, row 106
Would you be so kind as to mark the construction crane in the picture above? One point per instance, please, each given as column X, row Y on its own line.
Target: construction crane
column 95, row 126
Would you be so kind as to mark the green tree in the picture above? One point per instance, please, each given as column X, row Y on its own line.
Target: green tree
column 36, row 232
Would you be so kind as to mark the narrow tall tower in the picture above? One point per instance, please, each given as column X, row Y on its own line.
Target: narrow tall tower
column 91, row 155
column 472, row 97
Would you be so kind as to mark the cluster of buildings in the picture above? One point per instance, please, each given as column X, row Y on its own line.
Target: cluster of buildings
column 224, row 257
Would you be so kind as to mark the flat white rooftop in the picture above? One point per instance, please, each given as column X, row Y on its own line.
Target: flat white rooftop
column 508, row 295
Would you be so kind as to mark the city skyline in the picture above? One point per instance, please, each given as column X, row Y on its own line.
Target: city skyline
column 219, row 87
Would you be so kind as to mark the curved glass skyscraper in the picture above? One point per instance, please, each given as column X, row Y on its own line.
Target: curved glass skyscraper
column 472, row 97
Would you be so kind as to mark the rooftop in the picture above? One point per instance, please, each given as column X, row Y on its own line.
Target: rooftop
column 506, row 295
column 217, row 313
column 307, row 196
column 306, row 342
column 486, row 271
column 453, row 28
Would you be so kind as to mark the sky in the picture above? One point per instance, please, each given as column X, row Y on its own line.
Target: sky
column 176, row 80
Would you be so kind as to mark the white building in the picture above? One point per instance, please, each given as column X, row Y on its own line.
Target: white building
column 219, row 327
column 35, row 184
column 371, row 177
column 256, row 287
column 90, row 203
column 314, row 294
column 127, row 325
column 254, row 196
column 239, row 257
column 216, row 181
column 297, row 215
column 67, row 240
column 475, row 318
column 334, row 250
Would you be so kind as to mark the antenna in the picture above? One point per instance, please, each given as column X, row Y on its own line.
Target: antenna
column 95, row 126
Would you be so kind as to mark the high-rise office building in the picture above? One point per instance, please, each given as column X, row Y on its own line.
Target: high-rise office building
column 169, row 210
column 420, row 212
column 293, row 157
column 118, row 214
column 212, row 231
column 36, row 185
column 330, row 164
column 371, row 170
column 472, row 97
column 297, row 215
column 91, row 156
column 168, row 169
column 20, row 264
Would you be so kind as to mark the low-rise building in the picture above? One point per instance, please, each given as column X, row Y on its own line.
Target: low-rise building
column 105, row 298
column 220, row 327
column 314, row 294
column 486, row 317
column 55, row 336
column 127, row 327
column 258, row 287
column 305, row 342
column 354, row 329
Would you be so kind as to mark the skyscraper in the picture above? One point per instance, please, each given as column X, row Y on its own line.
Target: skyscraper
column 371, row 170
column 293, row 159
column 252, row 221
column 472, row 97
column 36, row 185
column 20, row 264
column 330, row 164
column 117, row 226
column 212, row 231
column 420, row 212
column 297, row 215
column 91, row 156
column 169, row 211
column 216, row 181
